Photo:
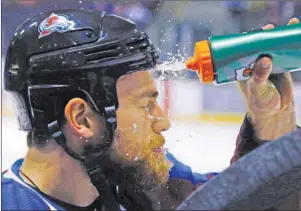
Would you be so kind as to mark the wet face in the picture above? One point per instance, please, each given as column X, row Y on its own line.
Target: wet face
column 138, row 141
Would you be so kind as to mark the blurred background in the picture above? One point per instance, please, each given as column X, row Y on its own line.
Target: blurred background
column 205, row 119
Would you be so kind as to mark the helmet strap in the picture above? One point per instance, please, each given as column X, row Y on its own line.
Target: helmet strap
column 95, row 165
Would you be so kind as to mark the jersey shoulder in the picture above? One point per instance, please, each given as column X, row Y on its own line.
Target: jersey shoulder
column 18, row 197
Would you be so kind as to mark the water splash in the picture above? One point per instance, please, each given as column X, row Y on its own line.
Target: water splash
column 173, row 63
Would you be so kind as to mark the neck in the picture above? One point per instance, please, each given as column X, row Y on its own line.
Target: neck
column 58, row 175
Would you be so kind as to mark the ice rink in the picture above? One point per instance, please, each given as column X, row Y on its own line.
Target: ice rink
column 204, row 146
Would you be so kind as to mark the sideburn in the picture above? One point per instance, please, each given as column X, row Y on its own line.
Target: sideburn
column 92, row 150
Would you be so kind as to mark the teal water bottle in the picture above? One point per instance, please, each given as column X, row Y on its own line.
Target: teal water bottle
column 228, row 58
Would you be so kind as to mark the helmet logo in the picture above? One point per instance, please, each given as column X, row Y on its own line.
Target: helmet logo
column 55, row 23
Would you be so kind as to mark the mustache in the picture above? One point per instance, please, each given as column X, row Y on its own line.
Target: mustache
column 157, row 140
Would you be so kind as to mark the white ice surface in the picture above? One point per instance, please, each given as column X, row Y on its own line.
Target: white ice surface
column 205, row 147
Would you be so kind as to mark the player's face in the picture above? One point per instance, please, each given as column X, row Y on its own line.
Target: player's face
column 140, row 120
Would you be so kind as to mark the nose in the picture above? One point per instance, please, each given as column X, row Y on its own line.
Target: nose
column 161, row 122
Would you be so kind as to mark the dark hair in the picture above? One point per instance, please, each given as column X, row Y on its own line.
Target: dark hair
column 37, row 138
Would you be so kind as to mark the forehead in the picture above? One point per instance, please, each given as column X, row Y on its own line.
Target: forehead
column 136, row 82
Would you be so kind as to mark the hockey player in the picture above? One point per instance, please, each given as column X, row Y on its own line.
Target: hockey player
column 83, row 92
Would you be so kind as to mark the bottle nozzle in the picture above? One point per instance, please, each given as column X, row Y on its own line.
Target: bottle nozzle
column 192, row 64
column 201, row 62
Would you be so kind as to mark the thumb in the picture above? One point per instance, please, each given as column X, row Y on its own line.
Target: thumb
column 261, row 71
column 263, row 95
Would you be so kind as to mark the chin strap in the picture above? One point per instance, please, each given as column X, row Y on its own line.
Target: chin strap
column 95, row 164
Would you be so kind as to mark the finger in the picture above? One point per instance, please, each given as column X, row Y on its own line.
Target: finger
column 260, row 93
column 261, row 71
column 268, row 26
column 259, row 77
column 293, row 21
column 284, row 84
column 262, row 96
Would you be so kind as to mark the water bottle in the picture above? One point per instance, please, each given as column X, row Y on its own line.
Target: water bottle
column 228, row 58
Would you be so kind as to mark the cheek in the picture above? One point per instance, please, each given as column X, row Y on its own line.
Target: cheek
column 134, row 132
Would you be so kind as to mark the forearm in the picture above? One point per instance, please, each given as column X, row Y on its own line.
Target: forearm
column 246, row 140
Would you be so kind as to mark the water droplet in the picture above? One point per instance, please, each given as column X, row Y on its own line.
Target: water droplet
column 168, row 21
column 135, row 127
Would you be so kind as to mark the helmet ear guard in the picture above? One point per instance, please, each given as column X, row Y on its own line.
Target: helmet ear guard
column 21, row 111
column 42, row 112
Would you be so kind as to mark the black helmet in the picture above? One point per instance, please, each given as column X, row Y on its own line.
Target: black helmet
column 67, row 50
column 61, row 54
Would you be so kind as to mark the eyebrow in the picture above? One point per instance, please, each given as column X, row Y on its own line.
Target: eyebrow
column 150, row 93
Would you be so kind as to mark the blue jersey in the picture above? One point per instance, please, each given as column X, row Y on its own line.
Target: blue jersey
column 18, row 195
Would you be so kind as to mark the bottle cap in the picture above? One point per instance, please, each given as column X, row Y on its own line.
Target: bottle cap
column 202, row 62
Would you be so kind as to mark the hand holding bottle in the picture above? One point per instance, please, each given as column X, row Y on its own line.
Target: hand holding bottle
column 270, row 102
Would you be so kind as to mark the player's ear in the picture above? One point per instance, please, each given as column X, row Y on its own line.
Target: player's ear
column 78, row 115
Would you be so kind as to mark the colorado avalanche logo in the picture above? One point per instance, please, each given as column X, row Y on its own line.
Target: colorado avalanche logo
column 55, row 23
